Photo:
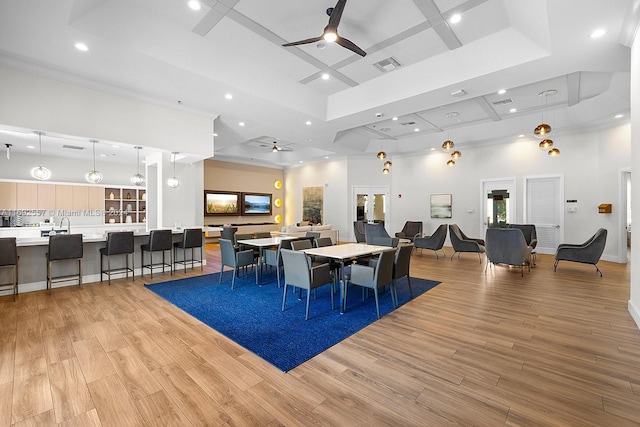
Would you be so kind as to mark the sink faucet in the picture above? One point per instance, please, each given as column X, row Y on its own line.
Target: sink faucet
column 68, row 224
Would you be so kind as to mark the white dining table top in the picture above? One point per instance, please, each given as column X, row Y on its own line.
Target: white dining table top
column 266, row 241
column 347, row 250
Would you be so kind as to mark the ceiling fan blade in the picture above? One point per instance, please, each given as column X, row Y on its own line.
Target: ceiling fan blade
column 350, row 45
column 336, row 15
column 306, row 41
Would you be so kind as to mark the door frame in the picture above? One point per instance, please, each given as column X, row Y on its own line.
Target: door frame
column 371, row 189
column 622, row 216
column 483, row 200
column 525, row 181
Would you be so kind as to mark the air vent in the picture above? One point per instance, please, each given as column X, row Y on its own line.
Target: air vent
column 411, row 123
column 503, row 102
column 388, row 64
column 73, row 147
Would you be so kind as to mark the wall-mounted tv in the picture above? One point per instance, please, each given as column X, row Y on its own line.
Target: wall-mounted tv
column 256, row 204
column 221, row 203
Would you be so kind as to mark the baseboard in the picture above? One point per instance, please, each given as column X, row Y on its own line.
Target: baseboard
column 635, row 314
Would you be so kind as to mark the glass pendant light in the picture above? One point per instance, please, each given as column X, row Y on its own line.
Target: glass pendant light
column 543, row 129
column 456, row 155
column 382, row 155
column 137, row 178
column 545, row 144
column 554, row 152
column 451, row 163
column 173, row 182
column 94, row 176
column 448, row 144
column 40, row 172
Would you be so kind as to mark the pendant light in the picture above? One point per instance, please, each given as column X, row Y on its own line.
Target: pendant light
column 137, row 178
column 40, row 172
column 94, row 176
column 173, row 182
column 543, row 129
column 554, row 152
column 448, row 144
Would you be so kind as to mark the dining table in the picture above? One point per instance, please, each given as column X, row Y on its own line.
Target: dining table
column 262, row 244
column 344, row 253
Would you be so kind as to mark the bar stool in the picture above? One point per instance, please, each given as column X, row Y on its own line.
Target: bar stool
column 191, row 239
column 159, row 240
column 118, row 243
column 64, row 247
column 9, row 258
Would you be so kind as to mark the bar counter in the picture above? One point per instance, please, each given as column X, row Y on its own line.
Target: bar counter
column 32, row 249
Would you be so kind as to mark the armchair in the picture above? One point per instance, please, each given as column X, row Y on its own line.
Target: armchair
column 530, row 236
column 462, row 243
column 375, row 234
column 435, row 242
column 374, row 277
column 410, row 231
column 507, row 246
column 588, row 252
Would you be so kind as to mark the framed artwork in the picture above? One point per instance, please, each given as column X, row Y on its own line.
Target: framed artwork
column 221, row 203
column 312, row 204
column 441, row 206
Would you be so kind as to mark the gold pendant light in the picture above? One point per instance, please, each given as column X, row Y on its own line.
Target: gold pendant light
column 544, row 129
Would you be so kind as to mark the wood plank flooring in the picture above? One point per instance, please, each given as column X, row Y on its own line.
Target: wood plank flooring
column 548, row 349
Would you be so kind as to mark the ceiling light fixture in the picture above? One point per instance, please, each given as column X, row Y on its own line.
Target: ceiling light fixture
column 545, row 144
column 456, row 154
column 194, row 5
column 596, row 34
column 451, row 163
column 502, row 91
column 228, row 96
column 81, row 47
column 308, row 123
column 330, row 37
column 41, row 173
column 8, row 150
column 448, row 144
column 173, row 182
column 382, row 155
column 94, row 176
column 326, row 76
column 554, row 152
column 455, row 18
column 137, row 178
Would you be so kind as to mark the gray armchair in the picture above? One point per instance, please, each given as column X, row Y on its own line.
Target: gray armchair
column 376, row 234
column 530, row 236
column 588, row 252
column 462, row 243
column 435, row 242
column 411, row 230
column 507, row 246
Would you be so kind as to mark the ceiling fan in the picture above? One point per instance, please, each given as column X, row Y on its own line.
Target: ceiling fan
column 276, row 148
column 330, row 32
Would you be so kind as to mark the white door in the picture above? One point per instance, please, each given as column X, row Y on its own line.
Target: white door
column 544, row 209
column 371, row 204
column 498, row 203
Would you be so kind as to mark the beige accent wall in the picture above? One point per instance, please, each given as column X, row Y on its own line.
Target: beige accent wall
column 225, row 176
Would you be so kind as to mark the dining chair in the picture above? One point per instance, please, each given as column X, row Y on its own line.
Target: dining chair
column 401, row 267
column 299, row 273
column 231, row 257
column 373, row 277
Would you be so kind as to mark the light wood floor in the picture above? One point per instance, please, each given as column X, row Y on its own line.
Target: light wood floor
column 496, row 349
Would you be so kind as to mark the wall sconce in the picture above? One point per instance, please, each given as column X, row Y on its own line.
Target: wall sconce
column 277, row 184
column 277, row 202
column 277, row 219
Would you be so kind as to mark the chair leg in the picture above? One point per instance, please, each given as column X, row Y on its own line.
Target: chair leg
column 233, row 279
column 306, row 314
column 480, row 257
column 284, row 296
column 109, row 267
column 201, row 258
column 555, row 265
column 80, row 272
column 49, row 276
column 101, row 267
column 598, row 270
column 375, row 294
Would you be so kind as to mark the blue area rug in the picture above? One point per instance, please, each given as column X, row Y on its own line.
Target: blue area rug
column 251, row 315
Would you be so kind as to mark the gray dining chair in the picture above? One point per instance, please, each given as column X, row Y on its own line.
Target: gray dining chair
column 231, row 257
column 118, row 243
column 299, row 273
column 373, row 277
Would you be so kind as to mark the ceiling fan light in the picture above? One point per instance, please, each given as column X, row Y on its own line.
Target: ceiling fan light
column 545, row 144
column 447, row 145
column 382, row 155
column 554, row 152
column 330, row 37
column 542, row 130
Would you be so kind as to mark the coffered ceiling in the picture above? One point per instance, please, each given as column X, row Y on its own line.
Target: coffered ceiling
column 419, row 68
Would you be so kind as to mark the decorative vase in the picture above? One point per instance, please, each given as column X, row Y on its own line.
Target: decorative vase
column 111, row 196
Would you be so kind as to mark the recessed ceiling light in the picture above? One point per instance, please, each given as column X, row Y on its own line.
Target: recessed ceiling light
column 300, row 161
column 598, row 33
column 103, row 155
column 241, row 124
column 326, row 157
column 31, row 147
column 308, row 123
column 194, row 4
column 321, row 46
column 618, row 116
column 502, row 91
column 115, row 146
column 521, row 135
column 513, row 110
column 455, row 18
column 326, row 76
column 215, row 134
column 228, row 96
column 394, row 118
column 432, row 149
column 416, row 130
column 81, row 47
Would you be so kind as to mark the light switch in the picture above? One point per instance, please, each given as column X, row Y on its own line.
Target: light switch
column 572, row 210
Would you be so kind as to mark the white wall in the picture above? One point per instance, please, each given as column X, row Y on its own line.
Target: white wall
column 634, row 300
column 590, row 162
